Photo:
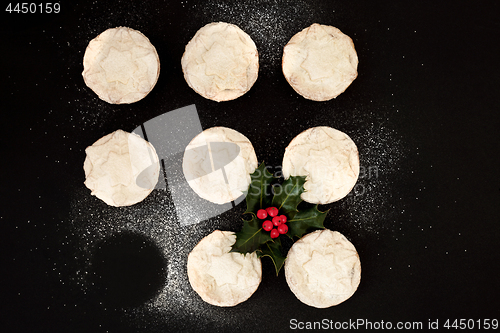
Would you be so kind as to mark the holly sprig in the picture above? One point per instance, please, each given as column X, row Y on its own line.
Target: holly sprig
column 263, row 193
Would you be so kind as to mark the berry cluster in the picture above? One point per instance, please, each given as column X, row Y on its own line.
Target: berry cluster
column 276, row 224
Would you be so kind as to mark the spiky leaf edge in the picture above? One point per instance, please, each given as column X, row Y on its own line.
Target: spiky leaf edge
column 272, row 250
column 256, row 196
column 297, row 229
column 250, row 237
column 289, row 196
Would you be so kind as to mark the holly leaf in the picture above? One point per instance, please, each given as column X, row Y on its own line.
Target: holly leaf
column 273, row 250
column 306, row 220
column 258, row 195
column 287, row 195
column 251, row 236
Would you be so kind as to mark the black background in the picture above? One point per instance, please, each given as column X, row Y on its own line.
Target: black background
column 424, row 112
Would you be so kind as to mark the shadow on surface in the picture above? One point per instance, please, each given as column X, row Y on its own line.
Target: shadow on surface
column 128, row 269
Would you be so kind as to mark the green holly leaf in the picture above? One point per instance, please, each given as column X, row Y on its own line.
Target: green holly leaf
column 287, row 195
column 305, row 221
column 273, row 250
column 251, row 236
column 258, row 195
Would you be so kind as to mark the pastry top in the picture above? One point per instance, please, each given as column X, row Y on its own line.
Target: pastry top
column 218, row 163
column 323, row 269
column 220, row 62
column 121, row 168
column 320, row 62
column 328, row 158
column 121, row 65
column 221, row 277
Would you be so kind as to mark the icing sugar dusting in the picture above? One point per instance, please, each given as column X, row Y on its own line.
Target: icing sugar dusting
column 269, row 24
column 154, row 223
column 100, row 228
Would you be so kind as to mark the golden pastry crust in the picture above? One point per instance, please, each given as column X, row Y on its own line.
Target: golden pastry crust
column 320, row 62
column 220, row 62
column 323, row 269
column 121, row 168
column 328, row 158
column 216, row 171
column 221, row 277
column 121, row 65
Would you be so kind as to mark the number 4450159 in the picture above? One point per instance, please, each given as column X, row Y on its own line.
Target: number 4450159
column 471, row 324
column 27, row 7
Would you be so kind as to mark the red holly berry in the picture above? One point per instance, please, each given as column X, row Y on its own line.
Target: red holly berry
column 261, row 214
column 267, row 225
column 276, row 221
column 272, row 211
column 274, row 233
column 283, row 218
column 282, row 229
